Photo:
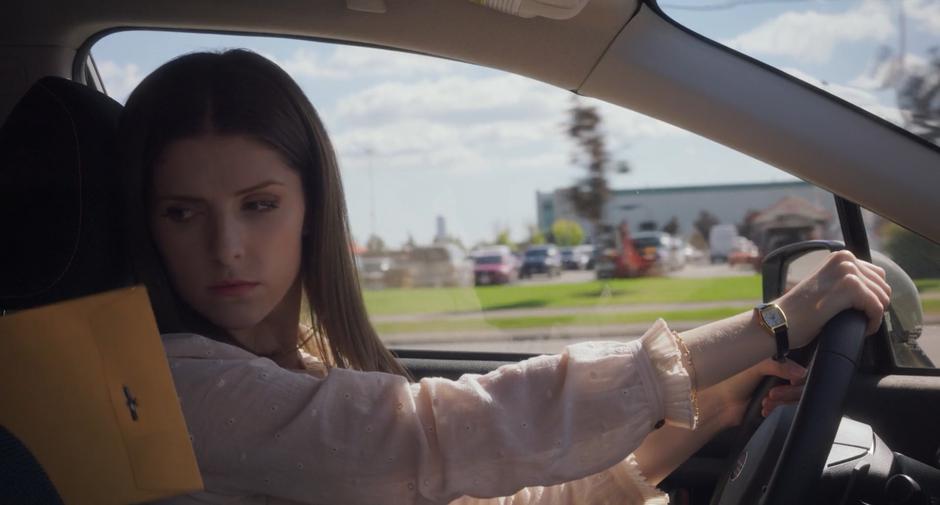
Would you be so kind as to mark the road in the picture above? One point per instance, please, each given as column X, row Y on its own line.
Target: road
column 691, row 271
column 699, row 271
column 566, row 277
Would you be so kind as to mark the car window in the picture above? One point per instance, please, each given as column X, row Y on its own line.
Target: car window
column 881, row 56
column 914, row 321
column 489, row 260
column 443, row 162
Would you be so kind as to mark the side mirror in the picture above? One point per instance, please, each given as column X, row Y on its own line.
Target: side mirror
column 783, row 268
column 787, row 266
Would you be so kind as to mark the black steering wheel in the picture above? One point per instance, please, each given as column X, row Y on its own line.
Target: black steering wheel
column 799, row 465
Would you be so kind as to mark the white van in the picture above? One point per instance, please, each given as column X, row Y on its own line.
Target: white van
column 721, row 241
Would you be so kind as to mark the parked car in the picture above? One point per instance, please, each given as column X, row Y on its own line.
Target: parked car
column 658, row 250
column 652, row 248
column 541, row 259
column 437, row 266
column 677, row 252
column 588, row 250
column 662, row 251
column 494, row 267
column 614, row 253
column 492, row 249
column 721, row 241
column 373, row 269
column 744, row 253
column 693, row 254
column 577, row 257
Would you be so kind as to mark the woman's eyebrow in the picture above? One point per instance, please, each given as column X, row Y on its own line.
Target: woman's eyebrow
column 259, row 186
column 186, row 198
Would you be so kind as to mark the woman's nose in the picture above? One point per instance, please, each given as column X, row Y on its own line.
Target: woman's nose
column 226, row 241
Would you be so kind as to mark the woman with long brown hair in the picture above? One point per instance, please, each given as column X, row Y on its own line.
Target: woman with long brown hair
column 239, row 218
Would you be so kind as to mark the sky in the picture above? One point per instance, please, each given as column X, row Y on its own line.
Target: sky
column 419, row 137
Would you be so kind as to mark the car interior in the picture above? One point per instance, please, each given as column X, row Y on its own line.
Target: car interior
column 866, row 429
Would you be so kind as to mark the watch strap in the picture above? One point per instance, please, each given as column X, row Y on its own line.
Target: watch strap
column 783, row 343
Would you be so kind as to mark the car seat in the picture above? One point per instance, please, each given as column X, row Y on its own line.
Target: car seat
column 60, row 197
column 62, row 228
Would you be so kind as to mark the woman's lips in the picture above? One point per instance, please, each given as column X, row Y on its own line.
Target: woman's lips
column 233, row 288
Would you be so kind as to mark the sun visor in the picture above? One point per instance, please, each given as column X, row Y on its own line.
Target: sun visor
column 553, row 9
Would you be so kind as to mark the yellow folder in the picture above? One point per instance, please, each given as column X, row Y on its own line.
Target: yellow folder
column 85, row 385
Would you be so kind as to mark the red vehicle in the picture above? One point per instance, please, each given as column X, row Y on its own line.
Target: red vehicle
column 494, row 267
column 616, row 254
column 745, row 253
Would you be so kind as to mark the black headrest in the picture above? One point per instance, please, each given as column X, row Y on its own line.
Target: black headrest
column 60, row 197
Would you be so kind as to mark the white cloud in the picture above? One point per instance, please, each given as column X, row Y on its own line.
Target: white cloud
column 811, row 37
column 457, row 149
column 305, row 63
column 887, row 71
column 521, row 107
column 119, row 80
column 924, row 12
column 473, row 125
column 455, row 98
column 368, row 61
column 353, row 62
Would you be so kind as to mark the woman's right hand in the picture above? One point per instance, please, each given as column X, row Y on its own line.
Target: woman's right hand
column 842, row 282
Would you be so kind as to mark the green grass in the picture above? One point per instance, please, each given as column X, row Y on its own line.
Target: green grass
column 491, row 299
column 508, row 323
column 587, row 294
column 931, row 307
column 924, row 285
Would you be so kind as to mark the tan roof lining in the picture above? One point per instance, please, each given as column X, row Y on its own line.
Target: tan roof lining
column 564, row 54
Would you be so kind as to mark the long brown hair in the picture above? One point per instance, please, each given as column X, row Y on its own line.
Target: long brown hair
column 240, row 92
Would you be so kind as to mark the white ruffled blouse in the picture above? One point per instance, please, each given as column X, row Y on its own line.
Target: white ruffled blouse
column 553, row 429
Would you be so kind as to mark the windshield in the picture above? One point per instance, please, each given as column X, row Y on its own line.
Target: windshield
column 648, row 242
column 881, row 56
column 489, row 260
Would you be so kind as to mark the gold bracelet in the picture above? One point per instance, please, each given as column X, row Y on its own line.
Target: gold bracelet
column 693, row 378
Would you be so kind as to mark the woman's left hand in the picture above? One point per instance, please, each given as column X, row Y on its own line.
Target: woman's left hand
column 784, row 394
column 735, row 392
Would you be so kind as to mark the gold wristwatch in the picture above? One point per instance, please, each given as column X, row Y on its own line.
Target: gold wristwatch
column 773, row 320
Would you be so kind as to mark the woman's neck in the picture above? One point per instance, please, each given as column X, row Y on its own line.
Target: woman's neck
column 290, row 360
column 276, row 336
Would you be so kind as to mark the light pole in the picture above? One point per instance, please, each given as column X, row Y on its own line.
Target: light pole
column 370, row 153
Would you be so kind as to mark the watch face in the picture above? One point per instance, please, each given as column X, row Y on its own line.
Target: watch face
column 773, row 316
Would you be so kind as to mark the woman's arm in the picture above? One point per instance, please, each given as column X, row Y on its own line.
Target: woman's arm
column 633, row 480
column 720, row 407
column 367, row 437
column 726, row 379
column 724, row 348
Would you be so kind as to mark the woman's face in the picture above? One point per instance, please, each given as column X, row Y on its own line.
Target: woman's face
column 227, row 215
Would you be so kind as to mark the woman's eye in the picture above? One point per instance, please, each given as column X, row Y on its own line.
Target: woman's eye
column 261, row 205
column 178, row 214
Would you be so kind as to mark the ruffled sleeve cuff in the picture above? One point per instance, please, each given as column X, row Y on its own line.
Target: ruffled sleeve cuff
column 673, row 384
column 634, row 486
